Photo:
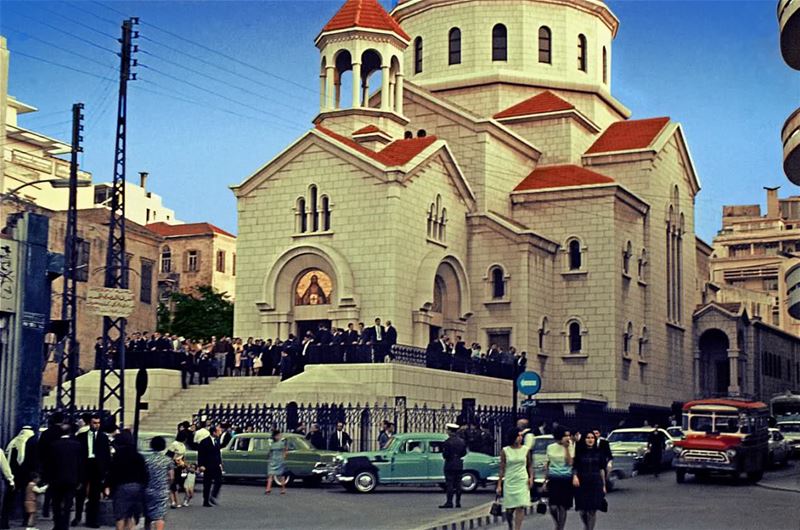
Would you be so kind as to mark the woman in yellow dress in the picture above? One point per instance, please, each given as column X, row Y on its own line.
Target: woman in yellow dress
column 516, row 478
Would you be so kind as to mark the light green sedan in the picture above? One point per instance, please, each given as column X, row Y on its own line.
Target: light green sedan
column 247, row 457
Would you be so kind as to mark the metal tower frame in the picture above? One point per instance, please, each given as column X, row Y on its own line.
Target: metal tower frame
column 68, row 362
column 112, row 362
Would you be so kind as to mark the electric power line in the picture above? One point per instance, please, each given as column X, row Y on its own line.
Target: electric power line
column 67, row 33
column 84, row 72
column 212, row 92
column 117, row 11
column 93, row 14
column 79, row 23
column 56, row 46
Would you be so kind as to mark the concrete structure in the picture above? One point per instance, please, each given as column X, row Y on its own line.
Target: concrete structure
column 193, row 255
column 141, row 206
column 493, row 188
column 750, row 262
column 789, row 20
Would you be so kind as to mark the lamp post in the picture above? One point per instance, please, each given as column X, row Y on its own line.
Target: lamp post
column 54, row 182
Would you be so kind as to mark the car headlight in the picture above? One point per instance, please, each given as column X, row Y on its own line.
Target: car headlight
column 731, row 453
column 677, row 450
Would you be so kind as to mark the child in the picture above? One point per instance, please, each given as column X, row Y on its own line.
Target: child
column 30, row 500
column 177, row 480
column 188, row 484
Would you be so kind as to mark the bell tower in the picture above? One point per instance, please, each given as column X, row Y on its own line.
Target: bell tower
column 360, row 44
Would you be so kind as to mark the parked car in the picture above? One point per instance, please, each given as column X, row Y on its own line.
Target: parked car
column 409, row 459
column 622, row 467
column 247, row 457
column 143, row 444
column 791, row 431
column 632, row 443
column 779, row 449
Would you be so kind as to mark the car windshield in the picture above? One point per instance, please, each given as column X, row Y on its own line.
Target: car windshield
column 629, row 436
column 789, row 427
column 715, row 423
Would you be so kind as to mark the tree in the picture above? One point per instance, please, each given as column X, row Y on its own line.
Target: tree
column 163, row 318
column 202, row 314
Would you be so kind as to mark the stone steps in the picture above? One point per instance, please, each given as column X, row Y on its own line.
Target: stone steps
column 232, row 390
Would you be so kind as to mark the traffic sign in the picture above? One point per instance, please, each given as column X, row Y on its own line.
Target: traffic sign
column 529, row 383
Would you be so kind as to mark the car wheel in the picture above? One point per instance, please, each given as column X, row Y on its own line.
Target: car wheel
column 288, row 480
column 365, row 482
column 468, row 482
column 680, row 476
column 611, row 483
column 350, row 487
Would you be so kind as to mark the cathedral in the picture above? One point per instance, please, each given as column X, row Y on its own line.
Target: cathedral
column 470, row 173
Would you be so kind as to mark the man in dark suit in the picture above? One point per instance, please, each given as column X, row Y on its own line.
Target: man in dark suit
column 63, row 470
column 391, row 338
column 351, row 343
column 96, row 455
column 315, row 437
column 377, row 337
column 209, row 461
column 227, row 435
column 461, row 356
column 434, row 353
column 339, row 440
column 454, row 449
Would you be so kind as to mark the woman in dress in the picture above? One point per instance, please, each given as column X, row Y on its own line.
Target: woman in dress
column 589, row 479
column 516, row 478
column 558, row 468
column 278, row 451
column 160, row 473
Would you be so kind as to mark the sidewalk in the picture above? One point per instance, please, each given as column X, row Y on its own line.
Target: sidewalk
column 787, row 479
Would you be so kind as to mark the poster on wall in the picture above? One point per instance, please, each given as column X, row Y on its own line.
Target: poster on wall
column 9, row 276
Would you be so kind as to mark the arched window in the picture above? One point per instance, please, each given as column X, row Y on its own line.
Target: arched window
column 626, row 258
column 408, row 134
column 454, row 46
column 542, row 334
column 300, row 215
column 443, row 225
column 499, row 43
column 418, row 55
column 431, row 220
column 498, row 283
column 326, row 213
column 312, row 208
column 545, row 45
column 421, row 133
column 643, row 265
column 627, row 335
column 575, row 257
column 437, row 220
column 581, row 53
column 575, row 340
column 605, row 65
column 166, row 259
column 643, row 343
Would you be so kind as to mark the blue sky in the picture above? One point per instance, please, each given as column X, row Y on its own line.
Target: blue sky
column 199, row 124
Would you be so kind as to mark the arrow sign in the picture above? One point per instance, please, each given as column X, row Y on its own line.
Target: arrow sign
column 529, row 383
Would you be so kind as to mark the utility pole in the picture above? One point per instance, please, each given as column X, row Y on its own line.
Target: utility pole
column 112, row 362
column 68, row 363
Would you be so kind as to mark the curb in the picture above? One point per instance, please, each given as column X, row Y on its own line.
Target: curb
column 480, row 519
column 778, row 488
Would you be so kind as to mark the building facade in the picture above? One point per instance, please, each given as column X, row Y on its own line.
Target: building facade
column 194, row 255
column 492, row 188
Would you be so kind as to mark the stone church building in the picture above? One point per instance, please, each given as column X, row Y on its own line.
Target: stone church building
column 471, row 173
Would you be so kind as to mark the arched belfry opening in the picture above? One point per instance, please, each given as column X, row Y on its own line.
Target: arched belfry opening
column 715, row 372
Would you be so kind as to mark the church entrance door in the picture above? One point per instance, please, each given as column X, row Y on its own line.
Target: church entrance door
column 304, row 326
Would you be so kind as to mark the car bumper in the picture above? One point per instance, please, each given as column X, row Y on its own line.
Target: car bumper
column 699, row 465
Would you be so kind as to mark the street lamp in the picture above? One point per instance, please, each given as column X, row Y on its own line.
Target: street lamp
column 54, row 182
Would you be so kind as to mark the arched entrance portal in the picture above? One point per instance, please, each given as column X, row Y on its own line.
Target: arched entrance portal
column 445, row 310
column 313, row 293
column 715, row 372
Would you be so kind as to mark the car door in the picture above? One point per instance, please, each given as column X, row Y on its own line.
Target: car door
column 669, row 453
column 409, row 463
column 436, row 460
column 236, row 457
column 301, row 459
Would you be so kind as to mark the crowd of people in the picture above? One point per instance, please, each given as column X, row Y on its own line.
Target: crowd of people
column 74, row 465
column 201, row 360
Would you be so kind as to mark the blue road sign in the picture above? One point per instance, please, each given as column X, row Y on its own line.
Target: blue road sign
column 529, row 383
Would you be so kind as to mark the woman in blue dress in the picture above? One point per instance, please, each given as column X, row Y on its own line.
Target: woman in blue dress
column 278, row 451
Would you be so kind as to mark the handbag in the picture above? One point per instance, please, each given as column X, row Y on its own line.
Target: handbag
column 541, row 507
column 497, row 507
column 604, row 505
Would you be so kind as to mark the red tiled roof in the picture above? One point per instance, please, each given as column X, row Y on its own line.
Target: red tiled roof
column 364, row 14
column 561, row 177
column 396, row 153
column 538, row 104
column 367, row 130
column 188, row 229
column 631, row 134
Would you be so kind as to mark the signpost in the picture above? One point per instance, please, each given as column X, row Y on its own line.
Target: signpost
column 141, row 388
column 109, row 302
column 529, row 384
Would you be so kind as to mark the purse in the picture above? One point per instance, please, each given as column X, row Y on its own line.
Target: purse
column 541, row 507
column 604, row 505
column 497, row 507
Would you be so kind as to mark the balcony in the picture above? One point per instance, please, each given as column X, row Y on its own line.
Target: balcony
column 791, row 145
column 789, row 20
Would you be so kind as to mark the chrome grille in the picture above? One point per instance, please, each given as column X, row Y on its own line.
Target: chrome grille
column 699, row 454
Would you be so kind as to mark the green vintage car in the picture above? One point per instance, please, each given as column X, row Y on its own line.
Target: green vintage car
column 247, row 457
column 409, row 459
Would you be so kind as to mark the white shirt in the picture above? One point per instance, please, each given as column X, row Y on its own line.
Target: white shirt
column 378, row 333
column 90, row 436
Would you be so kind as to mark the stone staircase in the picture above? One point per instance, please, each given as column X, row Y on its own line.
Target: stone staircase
column 233, row 390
